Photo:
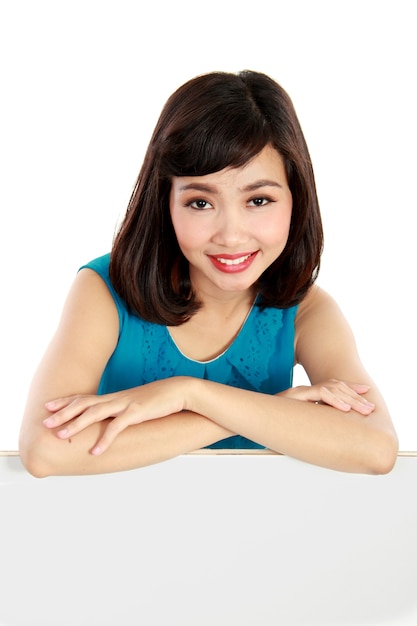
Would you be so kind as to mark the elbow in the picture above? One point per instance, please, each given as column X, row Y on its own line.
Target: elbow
column 33, row 465
column 384, row 454
column 33, row 455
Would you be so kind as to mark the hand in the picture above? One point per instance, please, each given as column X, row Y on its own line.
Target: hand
column 335, row 393
column 124, row 408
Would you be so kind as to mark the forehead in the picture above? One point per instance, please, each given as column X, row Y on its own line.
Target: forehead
column 268, row 165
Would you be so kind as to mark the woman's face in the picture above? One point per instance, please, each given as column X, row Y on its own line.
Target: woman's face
column 232, row 224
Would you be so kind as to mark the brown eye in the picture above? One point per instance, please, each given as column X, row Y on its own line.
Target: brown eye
column 199, row 204
column 259, row 201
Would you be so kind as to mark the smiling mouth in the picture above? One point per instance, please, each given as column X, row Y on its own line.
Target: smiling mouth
column 236, row 261
column 232, row 263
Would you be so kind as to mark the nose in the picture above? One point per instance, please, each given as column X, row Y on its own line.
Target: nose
column 231, row 230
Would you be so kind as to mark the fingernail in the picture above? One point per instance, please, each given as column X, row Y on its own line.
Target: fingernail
column 49, row 421
column 96, row 451
column 63, row 432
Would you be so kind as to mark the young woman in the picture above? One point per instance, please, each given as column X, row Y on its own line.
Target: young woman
column 185, row 336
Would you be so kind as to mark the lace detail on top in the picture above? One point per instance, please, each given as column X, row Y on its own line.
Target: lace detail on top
column 159, row 362
column 245, row 363
column 252, row 364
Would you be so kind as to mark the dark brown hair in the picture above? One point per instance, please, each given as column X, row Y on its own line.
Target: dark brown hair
column 214, row 121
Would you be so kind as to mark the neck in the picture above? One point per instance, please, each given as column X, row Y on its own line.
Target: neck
column 224, row 313
column 226, row 301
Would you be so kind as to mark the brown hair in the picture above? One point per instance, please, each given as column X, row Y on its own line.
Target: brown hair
column 214, row 121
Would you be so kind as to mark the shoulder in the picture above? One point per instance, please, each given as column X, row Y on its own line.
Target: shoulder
column 317, row 303
column 322, row 331
column 100, row 265
column 92, row 281
column 90, row 311
column 97, row 273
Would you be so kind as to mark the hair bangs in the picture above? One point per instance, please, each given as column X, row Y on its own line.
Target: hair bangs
column 218, row 148
column 226, row 129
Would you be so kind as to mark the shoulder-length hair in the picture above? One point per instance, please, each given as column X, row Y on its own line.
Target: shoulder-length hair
column 214, row 121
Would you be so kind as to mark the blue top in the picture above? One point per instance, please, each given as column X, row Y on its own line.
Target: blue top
column 261, row 357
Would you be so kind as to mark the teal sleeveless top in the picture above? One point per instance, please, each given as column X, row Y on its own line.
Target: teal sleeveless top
column 261, row 358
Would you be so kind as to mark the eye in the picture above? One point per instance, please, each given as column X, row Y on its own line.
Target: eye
column 199, row 204
column 261, row 201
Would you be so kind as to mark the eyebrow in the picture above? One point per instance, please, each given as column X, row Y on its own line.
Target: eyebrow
column 264, row 182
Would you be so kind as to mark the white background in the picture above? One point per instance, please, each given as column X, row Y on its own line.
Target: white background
column 82, row 85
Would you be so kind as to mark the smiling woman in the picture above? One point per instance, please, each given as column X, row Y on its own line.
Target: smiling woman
column 185, row 336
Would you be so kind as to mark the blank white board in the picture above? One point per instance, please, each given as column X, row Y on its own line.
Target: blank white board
column 242, row 540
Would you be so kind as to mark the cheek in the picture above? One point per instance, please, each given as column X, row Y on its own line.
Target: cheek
column 284, row 223
column 276, row 230
column 180, row 228
column 187, row 233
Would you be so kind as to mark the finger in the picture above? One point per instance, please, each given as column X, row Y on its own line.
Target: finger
column 59, row 403
column 344, row 399
column 359, row 388
column 66, row 409
column 56, row 407
column 89, row 415
column 116, row 426
column 130, row 415
column 362, row 405
column 353, row 395
column 327, row 396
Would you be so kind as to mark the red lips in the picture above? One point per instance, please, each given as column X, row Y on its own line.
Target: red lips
column 232, row 263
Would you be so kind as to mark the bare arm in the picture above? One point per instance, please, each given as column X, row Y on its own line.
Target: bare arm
column 352, row 436
column 347, row 439
column 338, row 438
column 73, row 364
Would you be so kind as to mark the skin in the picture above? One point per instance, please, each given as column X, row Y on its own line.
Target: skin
column 230, row 226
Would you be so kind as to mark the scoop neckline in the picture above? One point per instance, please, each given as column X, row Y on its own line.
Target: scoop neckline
column 222, row 354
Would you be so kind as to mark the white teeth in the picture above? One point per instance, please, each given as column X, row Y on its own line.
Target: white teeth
column 233, row 261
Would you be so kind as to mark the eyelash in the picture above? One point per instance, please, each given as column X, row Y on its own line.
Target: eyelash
column 191, row 202
column 265, row 200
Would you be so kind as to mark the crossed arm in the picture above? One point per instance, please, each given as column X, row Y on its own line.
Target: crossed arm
column 68, row 429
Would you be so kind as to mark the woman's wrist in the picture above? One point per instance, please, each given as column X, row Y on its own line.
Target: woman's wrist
column 192, row 390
